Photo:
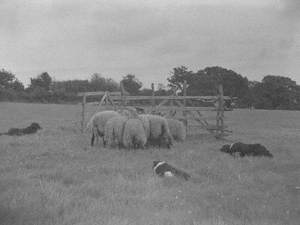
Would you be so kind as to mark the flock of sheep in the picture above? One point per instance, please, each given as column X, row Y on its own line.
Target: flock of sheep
column 128, row 129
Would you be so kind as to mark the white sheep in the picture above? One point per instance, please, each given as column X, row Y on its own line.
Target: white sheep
column 134, row 134
column 177, row 129
column 114, row 130
column 159, row 131
column 129, row 112
column 97, row 123
column 146, row 124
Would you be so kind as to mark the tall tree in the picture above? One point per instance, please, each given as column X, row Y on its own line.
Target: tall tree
column 204, row 82
column 131, row 84
column 276, row 92
column 9, row 81
column 41, row 81
column 178, row 76
column 97, row 82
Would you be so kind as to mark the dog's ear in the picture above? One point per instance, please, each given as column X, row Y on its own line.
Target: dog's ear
column 155, row 163
column 35, row 125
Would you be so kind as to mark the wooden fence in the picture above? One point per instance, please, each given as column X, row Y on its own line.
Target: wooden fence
column 172, row 106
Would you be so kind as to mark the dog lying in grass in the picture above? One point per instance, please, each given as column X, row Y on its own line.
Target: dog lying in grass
column 242, row 150
column 164, row 169
column 33, row 128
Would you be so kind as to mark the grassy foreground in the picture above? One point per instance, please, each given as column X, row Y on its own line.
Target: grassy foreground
column 55, row 177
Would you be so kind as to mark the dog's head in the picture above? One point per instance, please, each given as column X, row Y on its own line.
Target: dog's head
column 35, row 126
column 155, row 163
column 225, row 148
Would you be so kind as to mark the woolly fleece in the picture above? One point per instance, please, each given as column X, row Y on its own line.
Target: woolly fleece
column 134, row 134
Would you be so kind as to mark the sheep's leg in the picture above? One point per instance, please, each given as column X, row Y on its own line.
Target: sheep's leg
column 93, row 139
column 103, row 140
column 120, row 145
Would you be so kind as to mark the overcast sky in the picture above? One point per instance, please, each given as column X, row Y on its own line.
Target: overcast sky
column 72, row 39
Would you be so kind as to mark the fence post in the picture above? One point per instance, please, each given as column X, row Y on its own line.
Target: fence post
column 83, row 113
column 184, row 105
column 152, row 99
column 122, row 94
column 220, row 112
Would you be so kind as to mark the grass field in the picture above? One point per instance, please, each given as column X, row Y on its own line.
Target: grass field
column 55, row 177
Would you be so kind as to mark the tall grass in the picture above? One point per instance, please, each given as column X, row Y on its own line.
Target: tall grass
column 54, row 177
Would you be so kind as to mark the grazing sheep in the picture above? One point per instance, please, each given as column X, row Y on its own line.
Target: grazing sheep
column 159, row 131
column 177, row 129
column 97, row 123
column 134, row 135
column 129, row 113
column 33, row 128
column 246, row 150
column 114, row 130
column 146, row 124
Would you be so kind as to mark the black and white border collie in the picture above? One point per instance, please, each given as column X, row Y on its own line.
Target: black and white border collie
column 242, row 150
column 33, row 128
column 163, row 169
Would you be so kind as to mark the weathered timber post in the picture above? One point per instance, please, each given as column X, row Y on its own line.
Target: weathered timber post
column 184, row 105
column 123, row 97
column 220, row 112
column 152, row 99
column 83, row 113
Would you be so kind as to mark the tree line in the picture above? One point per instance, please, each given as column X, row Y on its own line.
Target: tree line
column 272, row 92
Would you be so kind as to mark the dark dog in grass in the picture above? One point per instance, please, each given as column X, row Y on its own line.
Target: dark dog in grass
column 242, row 150
column 163, row 169
column 33, row 128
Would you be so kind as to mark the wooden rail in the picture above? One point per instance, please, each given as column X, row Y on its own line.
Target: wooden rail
column 97, row 93
column 171, row 97
column 172, row 104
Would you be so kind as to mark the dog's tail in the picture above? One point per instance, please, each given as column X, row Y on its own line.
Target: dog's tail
column 182, row 174
column 268, row 154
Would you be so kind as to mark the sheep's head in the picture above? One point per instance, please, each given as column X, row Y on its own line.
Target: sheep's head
column 166, row 141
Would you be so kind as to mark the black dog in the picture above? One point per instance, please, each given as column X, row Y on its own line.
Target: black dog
column 33, row 128
column 246, row 150
column 164, row 169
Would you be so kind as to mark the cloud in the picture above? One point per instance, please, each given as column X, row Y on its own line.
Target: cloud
column 71, row 38
column 291, row 8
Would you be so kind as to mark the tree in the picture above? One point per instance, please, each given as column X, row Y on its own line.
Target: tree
column 276, row 92
column 9, row 81
column 234, row 84
column 162, row 90
column 178, row 76
column 42, row 81
column 131, row 84
column 6, row 78
column 111, row 85
column 205, row 82
column 97, row 82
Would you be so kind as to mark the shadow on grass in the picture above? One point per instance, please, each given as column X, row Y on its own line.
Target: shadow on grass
column 23, row 215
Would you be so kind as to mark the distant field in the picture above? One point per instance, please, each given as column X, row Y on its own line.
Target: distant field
column 55, row 177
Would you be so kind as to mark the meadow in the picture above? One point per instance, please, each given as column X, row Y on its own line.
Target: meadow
column 55, row 178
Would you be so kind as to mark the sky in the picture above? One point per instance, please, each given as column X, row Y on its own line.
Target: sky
column 72, row 39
